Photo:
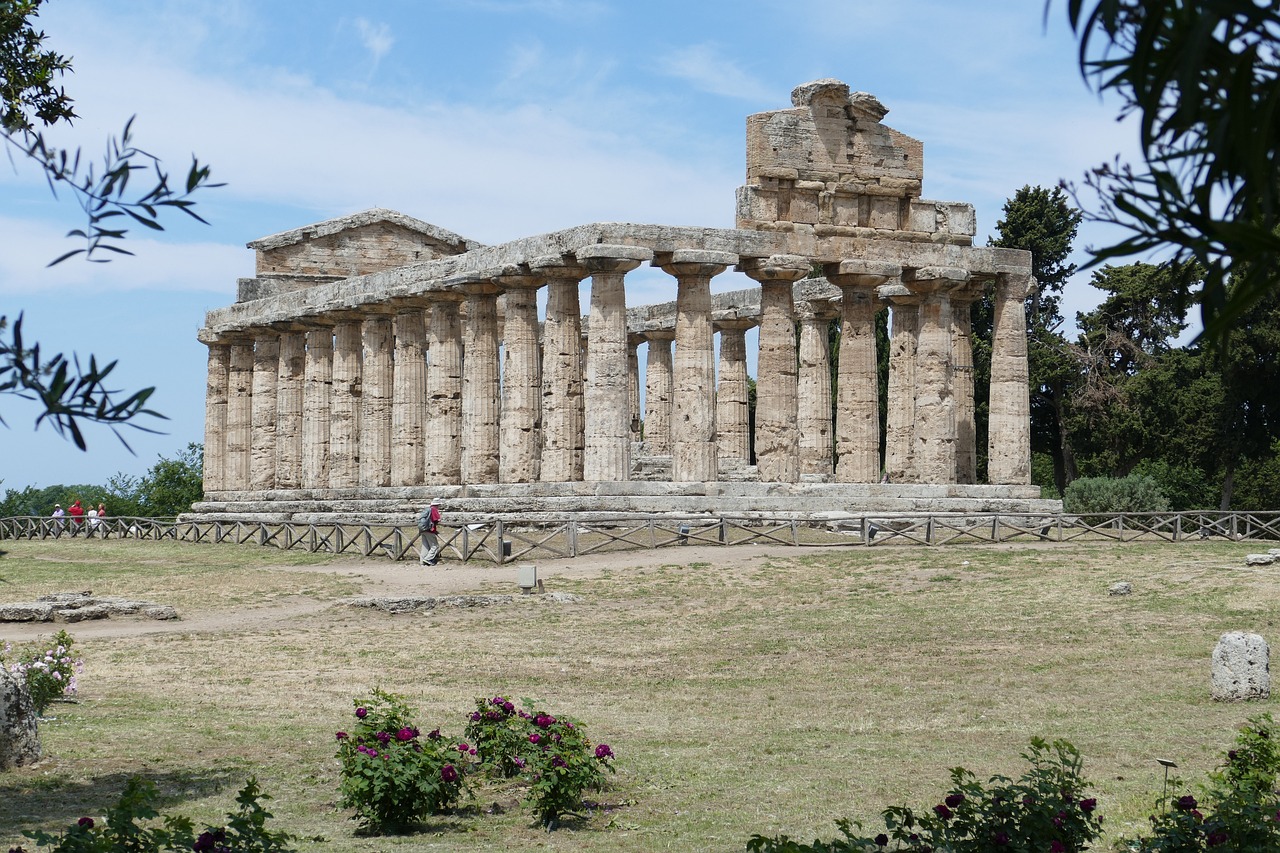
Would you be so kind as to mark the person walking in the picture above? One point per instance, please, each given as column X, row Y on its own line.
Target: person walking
column 428, row 523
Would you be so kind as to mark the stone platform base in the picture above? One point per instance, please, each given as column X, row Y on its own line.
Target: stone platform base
column 552, row 501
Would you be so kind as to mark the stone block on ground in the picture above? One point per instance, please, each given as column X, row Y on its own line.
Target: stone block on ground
column 1259, row 559
column 1121, row 588
column 19, row 738
column 1241, row 667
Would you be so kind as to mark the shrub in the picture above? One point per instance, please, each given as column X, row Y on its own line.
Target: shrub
column 129, row 826
column 550, row 752
column 1134, row 493
column 392, row 775
column 48, row 670
column 1238, row 810
column 1044, row 811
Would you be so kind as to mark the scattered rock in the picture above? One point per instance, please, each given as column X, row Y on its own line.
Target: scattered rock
column 1121, row 588
column 19, row 738
column 82, row 606
column 561, row 598
column 1241, row 667
column 1275, row 552
column 1259, row 559
column 419, row 604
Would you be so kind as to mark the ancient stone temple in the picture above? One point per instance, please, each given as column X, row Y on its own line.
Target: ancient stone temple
column 375, row 360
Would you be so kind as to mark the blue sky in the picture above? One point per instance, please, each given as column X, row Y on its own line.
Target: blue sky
column 496, row 119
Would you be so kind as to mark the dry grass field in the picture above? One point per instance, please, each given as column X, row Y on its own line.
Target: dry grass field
column 747, row 689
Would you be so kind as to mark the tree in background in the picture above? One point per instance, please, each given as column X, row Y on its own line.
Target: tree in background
column 168, row 488
column 65, row 391
column 1204, row 78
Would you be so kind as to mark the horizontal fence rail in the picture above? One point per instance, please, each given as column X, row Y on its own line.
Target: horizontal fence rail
column 506, row 540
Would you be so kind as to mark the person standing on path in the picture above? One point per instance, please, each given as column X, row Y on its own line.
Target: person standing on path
column 428, row 522
column 77, row 516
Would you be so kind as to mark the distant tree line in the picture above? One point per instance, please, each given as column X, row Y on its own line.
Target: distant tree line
column 168, row 488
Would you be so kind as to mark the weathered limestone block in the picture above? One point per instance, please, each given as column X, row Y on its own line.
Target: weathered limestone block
column 814, row 390
column 1120, row 588
column 693, row 429
column 378, row 370
column 317, row 388
column 344, row 421
column 19, row 736
column 26, row 612
column 777, row 438
column 262, row 442
column 443, row 431
column 733, row 419
column 1009, row 425
column 1259, row 559
column 480, row 377
column 1241, row 667
column 607, row 454
column 289, row 391
column 521, row 419
column 215, row 416
column 562, row 389
column 409, row 397
column 934, row 452
column 858, row 389
column 658, row 392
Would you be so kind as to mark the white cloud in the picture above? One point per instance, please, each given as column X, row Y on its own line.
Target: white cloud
column 154, row 265
column 707, row 68
column 376, row 38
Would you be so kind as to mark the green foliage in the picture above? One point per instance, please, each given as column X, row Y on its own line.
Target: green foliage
column 391, row 775
column 550, row 752
column 1204, row 77
column 1238, row 809
column 171, row 486
column 65, row 392
column 1134, row 493
column 1043, row 810
column 49, row 670
column 130, row 826
column 1186, row 486
column 560, row 763
column 28, row 71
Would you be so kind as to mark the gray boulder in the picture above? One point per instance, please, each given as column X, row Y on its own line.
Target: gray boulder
column 1241, row 667
column 19, row 739
column 1259, row 559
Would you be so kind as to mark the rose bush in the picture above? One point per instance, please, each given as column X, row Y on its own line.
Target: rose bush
column 49, row 670
column 392, row 774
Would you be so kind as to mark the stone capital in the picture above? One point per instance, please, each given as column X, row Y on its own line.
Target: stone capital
column 777, row 268
column 935, row 279
column 735, row 324
column 817, row 309
column 659, row 334
column 860, row 273
column 696, row 263
column 606, row 258
column 557, row 267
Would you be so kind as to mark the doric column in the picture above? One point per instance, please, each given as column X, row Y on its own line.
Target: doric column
column 235, row 471
column 607, row 455
column 633, row 382
column 262, row 441
column 443, row 434
column 657, row 392
column 317, row 389
column 480, row 439
column 409, row 395
column 562, row 411
column 962, row 380
column 375, row 401
column 901, row 410
column 344, row 423
column 1009, row 423
column 816, row 436
column 521, row 439
column 733, row 415
column 857, row 385
column 934, row 453
column 289, row 410
column 215, row 415
column 777, row 438
column 693, row 426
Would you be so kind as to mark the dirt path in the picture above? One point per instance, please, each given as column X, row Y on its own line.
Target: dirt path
column 384, row 578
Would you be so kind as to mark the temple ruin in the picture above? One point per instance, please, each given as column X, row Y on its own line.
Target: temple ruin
column 376, row 360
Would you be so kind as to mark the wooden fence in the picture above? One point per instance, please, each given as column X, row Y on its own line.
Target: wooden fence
column 501, row 541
